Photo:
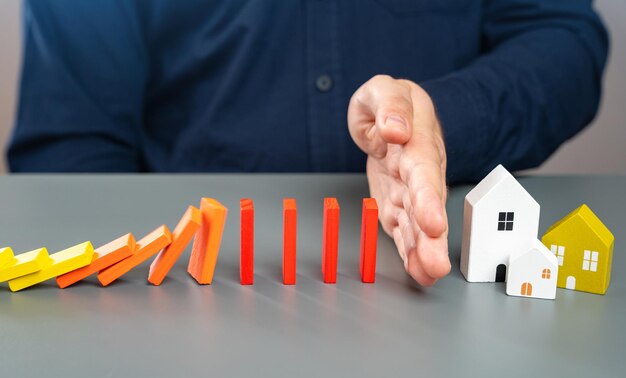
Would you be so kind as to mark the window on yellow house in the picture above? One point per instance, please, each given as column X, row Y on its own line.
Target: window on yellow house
column 527, row 289
column 546, row 274
column 559, row 252
column 590, row 260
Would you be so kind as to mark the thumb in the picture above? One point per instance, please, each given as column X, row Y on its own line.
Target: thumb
column 380, row 112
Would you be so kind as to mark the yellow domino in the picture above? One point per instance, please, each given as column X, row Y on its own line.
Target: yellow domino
column 63, row 262
column 6, row 256
column 25, row 263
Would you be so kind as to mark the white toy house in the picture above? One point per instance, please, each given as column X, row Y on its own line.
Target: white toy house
column 500, row 219
column 533, row 273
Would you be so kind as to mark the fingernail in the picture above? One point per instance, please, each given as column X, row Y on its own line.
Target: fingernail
column 397, row 122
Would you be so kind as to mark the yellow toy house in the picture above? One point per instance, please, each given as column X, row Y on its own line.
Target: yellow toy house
column 584, row 249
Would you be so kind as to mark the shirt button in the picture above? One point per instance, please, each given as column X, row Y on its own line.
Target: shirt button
column 324, row 83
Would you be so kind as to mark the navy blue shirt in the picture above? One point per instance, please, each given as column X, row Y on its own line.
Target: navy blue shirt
column 264, row 85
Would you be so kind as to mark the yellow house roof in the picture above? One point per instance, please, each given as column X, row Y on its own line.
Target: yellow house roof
column 591, row 220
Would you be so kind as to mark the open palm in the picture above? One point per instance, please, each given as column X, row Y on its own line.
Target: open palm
column 394, row 122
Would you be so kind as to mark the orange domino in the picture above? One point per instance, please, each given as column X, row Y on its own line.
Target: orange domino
column 369, row 238
column 246, row 260
column 146, row 247
column 103, row 257
column 206, row 244
column 184, row 231
column 330, row 240
column 290, row 213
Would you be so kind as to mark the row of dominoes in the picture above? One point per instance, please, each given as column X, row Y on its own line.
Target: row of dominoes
column 205, row 225
column 330, row 240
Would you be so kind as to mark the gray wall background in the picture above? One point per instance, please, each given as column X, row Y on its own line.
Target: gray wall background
column 598, row 149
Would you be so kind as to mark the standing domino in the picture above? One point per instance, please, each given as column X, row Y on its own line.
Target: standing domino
column 290, row 214
column 369, row 238
column 246, row 253
column 330, row 240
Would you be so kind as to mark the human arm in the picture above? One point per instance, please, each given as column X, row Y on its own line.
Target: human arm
column 536, row 84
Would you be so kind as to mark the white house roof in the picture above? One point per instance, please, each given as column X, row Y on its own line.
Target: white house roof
column 538, row 247
column 491, row 182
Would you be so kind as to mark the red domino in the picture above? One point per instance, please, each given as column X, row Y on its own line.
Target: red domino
column 369, row 237
column 290, row 213
column 246, row 269
column 330, row 240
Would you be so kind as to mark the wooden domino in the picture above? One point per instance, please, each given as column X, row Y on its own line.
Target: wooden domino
column 290, row 214
column 24, row 264
column 246, row 260
column 148, row 246
column 103, row 257
column 330, row 240
column 182, row 235
column 369, row 238
column 59, row 263
column 6, row 256
column 206, row 244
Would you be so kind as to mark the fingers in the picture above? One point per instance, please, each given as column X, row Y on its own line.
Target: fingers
column 432, row 255
column 380, row 112
column 422, row 167
column 424, row 201
column 406, row 171
column 392, row 160
column 408, row 249
column 425, row 258
column 399, row 240
column 389, row 216
column 387, row 191
column 426, row 192
column 415, row 270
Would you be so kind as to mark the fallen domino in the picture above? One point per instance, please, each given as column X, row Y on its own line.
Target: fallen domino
column 103, row 257
column 182, row 235
column 148, row 246
column 25, row 263
column 58, row 264
column 206, row 244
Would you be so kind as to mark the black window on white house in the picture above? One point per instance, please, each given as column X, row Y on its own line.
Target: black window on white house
column 505, row 221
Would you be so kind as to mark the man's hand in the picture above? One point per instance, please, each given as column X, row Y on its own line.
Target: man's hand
column 394, row 122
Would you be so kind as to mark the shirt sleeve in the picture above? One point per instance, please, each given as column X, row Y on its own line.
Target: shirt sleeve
column 537, row 83
column 82, row 87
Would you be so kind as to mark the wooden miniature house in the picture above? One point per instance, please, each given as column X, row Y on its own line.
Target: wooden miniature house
column 583, row 246
column 500, row 219
column 533, row 273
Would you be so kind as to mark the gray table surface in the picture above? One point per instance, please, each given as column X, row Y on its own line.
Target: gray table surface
column 390, row 328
